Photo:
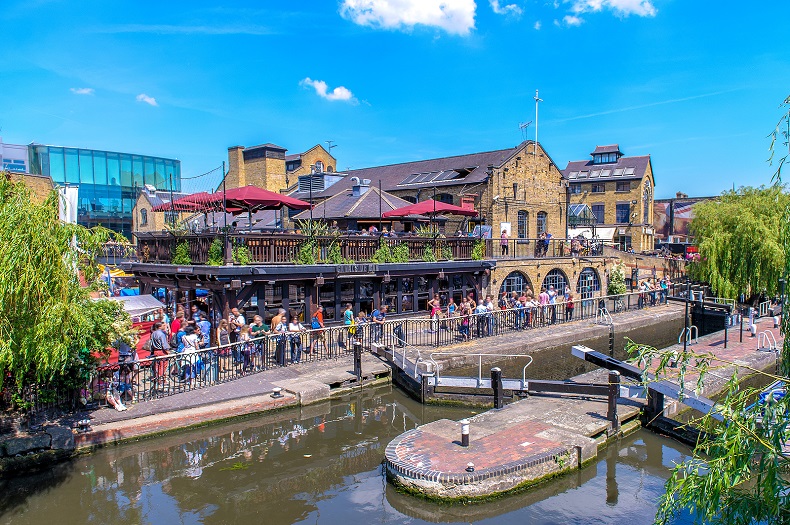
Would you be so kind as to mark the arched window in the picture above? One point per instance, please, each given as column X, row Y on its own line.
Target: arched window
column 523, row 224
column 409, row 198
column 319, row 166
column 515, row 282
column 444, row 197
column 588, row 283
column 646, row 203
column 542, row 219
column 330, row 169
column 557, row 279
column 143, row 217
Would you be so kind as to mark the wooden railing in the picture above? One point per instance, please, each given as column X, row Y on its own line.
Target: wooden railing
column 275, row 248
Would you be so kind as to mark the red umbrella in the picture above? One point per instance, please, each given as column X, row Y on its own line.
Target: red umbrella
column 193, row 202
column 254, row 198
column 429, row 207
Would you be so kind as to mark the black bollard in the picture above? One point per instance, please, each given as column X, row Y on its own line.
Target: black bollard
column 614, row 393
column 496, row 384
column 358, row 360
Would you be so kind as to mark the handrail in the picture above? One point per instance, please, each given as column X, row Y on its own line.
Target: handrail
column 689, row 333
column 603, row 315
column 480, row 364
column 766, row 337
column 763, row 308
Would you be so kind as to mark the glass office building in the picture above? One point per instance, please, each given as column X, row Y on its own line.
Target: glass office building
column 109, row 182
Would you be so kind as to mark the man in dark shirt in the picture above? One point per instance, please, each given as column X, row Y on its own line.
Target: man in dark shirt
column 378, row 316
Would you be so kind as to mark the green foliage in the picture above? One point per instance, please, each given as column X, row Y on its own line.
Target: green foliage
column 216, row 255
column 617, row 280
column 383, row 254
column 428, row 254
column 738, row 471
column 400, row 253
column 479, row 250
column 447, row 252
column 306, row 252
column 738, row 236
column 241, row 255
column 316, row 228
column 180, row 254
column 424, row 231
column 781, row 136
column 49, row 325
column 335, row 255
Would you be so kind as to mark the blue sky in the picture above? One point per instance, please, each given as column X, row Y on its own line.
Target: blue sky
column 695, row 84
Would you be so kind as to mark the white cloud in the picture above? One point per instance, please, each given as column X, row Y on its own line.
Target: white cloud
column 572, row 21
column 509, row 9
column 142, row 97
column 453, row 16
column 82, row 91
column 322, row 90
column 537, row 25
column 620, row 7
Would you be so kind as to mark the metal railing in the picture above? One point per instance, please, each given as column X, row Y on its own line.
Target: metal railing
column 480, row 356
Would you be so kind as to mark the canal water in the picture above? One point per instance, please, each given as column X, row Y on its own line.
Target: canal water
column 319, row 464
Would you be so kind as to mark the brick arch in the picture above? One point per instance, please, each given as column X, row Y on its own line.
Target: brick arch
column 588, row 283
column 555, row 277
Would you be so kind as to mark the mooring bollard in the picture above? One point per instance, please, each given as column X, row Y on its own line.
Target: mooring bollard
column 464, row 432
column 358, row 360
column 614, row 393
column 496, row 384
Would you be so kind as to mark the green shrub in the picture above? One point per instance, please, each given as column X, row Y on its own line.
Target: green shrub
column 306, row 252
column 447, row 253
column 180, row 255
column 335, row 255
column 428, row 254
column 215, row 253
column 241, row 255
column 617, row 280
column 383, row 254
column 479, row 250
column 400, row 253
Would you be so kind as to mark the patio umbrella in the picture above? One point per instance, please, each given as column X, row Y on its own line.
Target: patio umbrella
column 194, row 202
column 252, row 198
column 429, row 207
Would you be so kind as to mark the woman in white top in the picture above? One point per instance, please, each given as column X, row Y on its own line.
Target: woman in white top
column 295, row 328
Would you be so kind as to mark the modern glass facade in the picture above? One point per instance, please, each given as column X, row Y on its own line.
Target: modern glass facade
column 109, row 182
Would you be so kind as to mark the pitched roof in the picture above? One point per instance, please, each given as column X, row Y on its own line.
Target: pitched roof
column 612, row 148
column 445, row 171
column 345, row 205
column 624, row 168
column 268, row 145
column 162, row 197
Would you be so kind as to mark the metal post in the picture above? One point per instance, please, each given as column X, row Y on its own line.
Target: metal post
column 655, row 405
column 782, row 301
column 686, row 318
column 614, row 393
column 380, row 217
column 726, row 328
column 464, row 432
column 741, row 316
column 358, row 360
column 496, row 384
column 228, row 251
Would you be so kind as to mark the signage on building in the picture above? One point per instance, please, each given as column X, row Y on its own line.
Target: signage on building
column 356, row 268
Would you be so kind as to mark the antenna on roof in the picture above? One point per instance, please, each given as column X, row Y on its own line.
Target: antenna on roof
column 330, row 146
column 523, row 127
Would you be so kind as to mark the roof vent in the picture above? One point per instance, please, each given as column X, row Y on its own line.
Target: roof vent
column 355, row 180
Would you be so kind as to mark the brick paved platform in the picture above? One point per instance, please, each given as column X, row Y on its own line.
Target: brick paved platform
column 515, row 446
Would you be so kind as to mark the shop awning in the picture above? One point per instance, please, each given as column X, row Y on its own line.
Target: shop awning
column 139, row 305
column 603, row 233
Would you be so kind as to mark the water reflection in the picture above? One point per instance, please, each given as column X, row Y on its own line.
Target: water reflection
column 319, row 464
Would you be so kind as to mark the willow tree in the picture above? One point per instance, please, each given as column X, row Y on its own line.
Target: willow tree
column 49, row 325
column 739, row 241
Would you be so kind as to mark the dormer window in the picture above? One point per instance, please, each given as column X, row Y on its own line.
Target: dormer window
column 604, row 158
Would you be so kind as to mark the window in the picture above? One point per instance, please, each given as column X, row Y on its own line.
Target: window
column 623, row 213
column 588, row 283
column 575, row 188
column 445, row 198
column 515, row 282
column 624, row 242
column 330, row 169
column 598, row 188
column 409, row 198
column 556, row 279
column 542, row 219
column 522, row 224
column 623, row 186
column 319, row 166
column 143, row 217
column 598, row 211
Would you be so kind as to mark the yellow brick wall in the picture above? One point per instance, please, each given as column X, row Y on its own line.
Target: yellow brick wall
column 641, row 238
column 264, row 172
column 156, row 220
column 40, row 186
column 309, row 158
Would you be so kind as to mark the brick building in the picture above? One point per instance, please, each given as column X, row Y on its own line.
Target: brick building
column 517, row 188
column 145, row 220
column 619, row 190
column 267, row 166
